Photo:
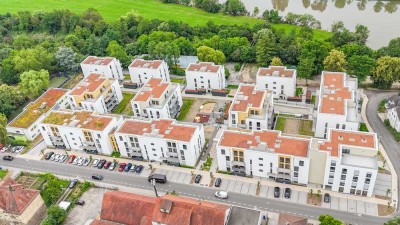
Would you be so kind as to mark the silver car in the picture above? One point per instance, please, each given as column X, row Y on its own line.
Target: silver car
column 86, row 162
column 76, row 160
column 95, row 162
column 81, row 161
column 53, row 157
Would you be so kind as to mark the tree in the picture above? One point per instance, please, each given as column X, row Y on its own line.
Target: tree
column 393, row 48
column 8, row 75
column 56, row 215
column 3, row 131
column 117, row 51
column 256, row 11
column 164, row 50
column 10, row 99
column 335, row 61
column 394, row 221
column 317, row 50
column 328, row 220
column 34, row 82
column 211, row 6
column 33, row 59
column 276, row 61
column 66, row 57
column 207, row 54
column 360, row 66
column 235, row 8
column 386, row 71
column 306, row 68
column 265, row 46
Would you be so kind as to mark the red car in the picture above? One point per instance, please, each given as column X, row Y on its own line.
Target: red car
column 121, row 167
column 106, row 165
column 71, row 158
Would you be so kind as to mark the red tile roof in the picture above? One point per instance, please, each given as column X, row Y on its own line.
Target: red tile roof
column 94, row 60
column 333, row 93
column 89, row 84
column 349, row 138
column 154, row 88
column 204, row 67
column 167, row 128
column 148, row 64
column 134, row 209
column 272, row 139
column 14, row 198
column 281, row 71
column 285, row 219
column 247, row 96
column 103, row 222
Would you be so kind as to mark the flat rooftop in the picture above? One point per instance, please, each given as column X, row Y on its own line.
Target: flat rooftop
column 334, row 93
column 154, row 88
column 147, row 64
column 89, row 84
column 275, row 71
column 243, row 216
column 247, row 96
column 94, row 60
column 208, row 67
column 360, row 161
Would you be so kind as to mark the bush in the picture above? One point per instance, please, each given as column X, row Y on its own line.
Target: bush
column 387, row 122
column 53, row 188
column 363, row 127
column 227, row 73
column 19, row 142
column 116, row 154
column 55, row 216
column 237, row 67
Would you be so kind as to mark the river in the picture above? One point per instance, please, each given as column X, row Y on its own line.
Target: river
column 381, row 17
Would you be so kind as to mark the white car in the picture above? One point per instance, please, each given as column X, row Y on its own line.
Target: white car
column 53, row 157
column 76, row 160
column 86, row 162
column 221, row 194
column 95, row 162
column 81, row 161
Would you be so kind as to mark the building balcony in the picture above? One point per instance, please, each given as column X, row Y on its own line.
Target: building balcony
column 88, row 148
column 137, row 154
column 283, row 170
column 109, row 97
column 58, row 143
column 55, row 138
column 283, row 176
column 238, row 164
column 171, row 161
column 174, row 154
column 89, row 143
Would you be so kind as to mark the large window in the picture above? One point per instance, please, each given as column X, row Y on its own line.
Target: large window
column 238, row 156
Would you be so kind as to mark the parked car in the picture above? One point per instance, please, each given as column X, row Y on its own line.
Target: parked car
column 288, row 192
column 76, row 160
column 221, row 194
column 112, row 166
column 107, row 165
column 218, row 182
column 18, row 149
column 128, row 167
column 63, row 159
column 97, row 177
column 139, row 169
column 48, row 155
column 95, row 162
column 80, row 202
column 121, row 167
column 81, row 161
column 86, row 162
column 72, row 183
column 197, row 179
column 133, row 168
column 8, row 158
column 327, row 198
column 53, row 157
column 277, row 192
column 101, row 164
column 159, row 178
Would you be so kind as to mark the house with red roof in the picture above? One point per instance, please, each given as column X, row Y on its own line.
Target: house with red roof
column 205, row 75
column 107, row 66
column 142, row 70
column 277, row 79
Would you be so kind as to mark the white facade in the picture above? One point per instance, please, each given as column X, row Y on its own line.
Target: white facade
column 338, row 104
column 79, row 130
column 162, row 140
column 26, row 123
column 277, row 79
column 142, row 70
column 96, row 93
column 108, row 66
column 251, row 108
column 393, row 115
column 157, row 99
column 205, row 75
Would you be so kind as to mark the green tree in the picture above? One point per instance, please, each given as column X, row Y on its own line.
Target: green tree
column 317, row 50
column 360, row 66
column 33, row 59
column 211, row 6
column 10, row 99
column 386, row 71
column 305, row 68
column 55, row 216
column 328, row 220
column 117, row 51
column 235, row 8
column 335, row 61
column 34, row 82
column 8, row 75
column 256, row 11
column 393, row 48
column 66, row 57
column 207, row 54
column 394, row 221
column 3, row 131
column 276, row 61
column 265, row 46
column 164, row 50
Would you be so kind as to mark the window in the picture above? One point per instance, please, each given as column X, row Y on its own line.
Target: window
column 98, row 135
column 43, row 128
column 344, row 171
column 152, row 143
column 346, row 151
column 183, row 157
column 333, row 163
column 301, row 163
column 260, row 159
column 261, row 170
column 266, row 86
column 120, row 138
column 227, row 158
column 222, row 151
column 154, row 154
column 337, row 126
column 184, row 147
column 261, row 164
column 296, row 168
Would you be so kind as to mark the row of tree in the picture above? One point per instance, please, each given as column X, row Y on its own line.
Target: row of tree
column 230, row 7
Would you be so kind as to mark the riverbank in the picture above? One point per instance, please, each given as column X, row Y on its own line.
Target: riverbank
column 111, row 10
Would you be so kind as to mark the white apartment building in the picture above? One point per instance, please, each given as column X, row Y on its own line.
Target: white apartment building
column 163, row 140
column 393, row 115
column 345, row 162
column 96, row 92
column 80, row 130
column 264, row 153
column 157, row 99
column 108, row 66
column 205, row 75
column 277, row 79
column 142, row 70
column 251, row 108
column 26, row 123
column 338, row 106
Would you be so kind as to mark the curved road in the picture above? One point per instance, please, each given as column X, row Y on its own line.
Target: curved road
column 392, row 147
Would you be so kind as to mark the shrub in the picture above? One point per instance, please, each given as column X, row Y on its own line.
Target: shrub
column 237, row 67
column 387, row 122
column 55, row 216
column 227, row 73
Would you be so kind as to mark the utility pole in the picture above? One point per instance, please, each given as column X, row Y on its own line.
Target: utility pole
column 153, row 182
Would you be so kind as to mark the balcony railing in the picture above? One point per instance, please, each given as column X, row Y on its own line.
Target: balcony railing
column 283, row 170
column 172, row 154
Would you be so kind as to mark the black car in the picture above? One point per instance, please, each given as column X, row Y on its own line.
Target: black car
column 8, row 158
column 139, row 169
column 80, row 202
column 48, row 155
column 97, row 177
column 288, row 191
column 327, row 198
column 197, row 179
column 101, row 164
column 277, row 192
column 218, row 182
column 72, row 183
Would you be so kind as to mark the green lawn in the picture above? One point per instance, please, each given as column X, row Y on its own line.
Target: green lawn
column 111, row 10
column 122, row 105
column 306, row 128
column 57, row 81
column 363, row 127
column 178, row 80
column 313, row 99
column 186, row 104
column 3, row 173
column 280, row 124
column 232, row 86
column 381, row 107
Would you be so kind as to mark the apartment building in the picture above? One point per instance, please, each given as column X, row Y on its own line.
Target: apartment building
column 163, row 140
column 26, row 123
column 338, row 104
column 205, row 75
column 108, row 66
column 277, row 79
column 251, row 108
column 142, row 70
column 96, row 92
column 80, row 130
column 393, row 114
column 264, row 153
column 157, row 99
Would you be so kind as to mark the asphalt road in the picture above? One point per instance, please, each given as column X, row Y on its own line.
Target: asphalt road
column 130, row 180
column 392, row 147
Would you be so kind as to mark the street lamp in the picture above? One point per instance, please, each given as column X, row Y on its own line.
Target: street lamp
column 153, row 182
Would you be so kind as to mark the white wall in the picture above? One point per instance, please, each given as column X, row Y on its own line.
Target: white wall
column 332, row 120
column 142, row 75
column 217, row 80
column 394, row 119
column 112, row 70
column 275, row 83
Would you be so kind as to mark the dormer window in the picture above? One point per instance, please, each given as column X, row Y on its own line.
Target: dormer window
column 363, row 140
column 340, row 138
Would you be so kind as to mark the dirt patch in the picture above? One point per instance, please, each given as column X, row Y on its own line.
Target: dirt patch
column 208, row 131
column 314, row 199
column 384, row 210
column 212, row 182
column 194, row 109
column 291, row 126
column 249, row 73
column 383, row 171
column 208, row 108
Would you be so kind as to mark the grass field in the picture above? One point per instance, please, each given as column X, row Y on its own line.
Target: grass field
column 187, row 103
column 149, row 9
column 125, row 101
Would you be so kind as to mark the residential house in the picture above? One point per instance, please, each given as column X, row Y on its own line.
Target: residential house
column 142, row 70
column 205, row 75
column 107, row 66
column 277, row 79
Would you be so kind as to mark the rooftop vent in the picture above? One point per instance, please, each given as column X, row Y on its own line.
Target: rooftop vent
column 42, row 106
column 166, row 206
column 275, row 73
